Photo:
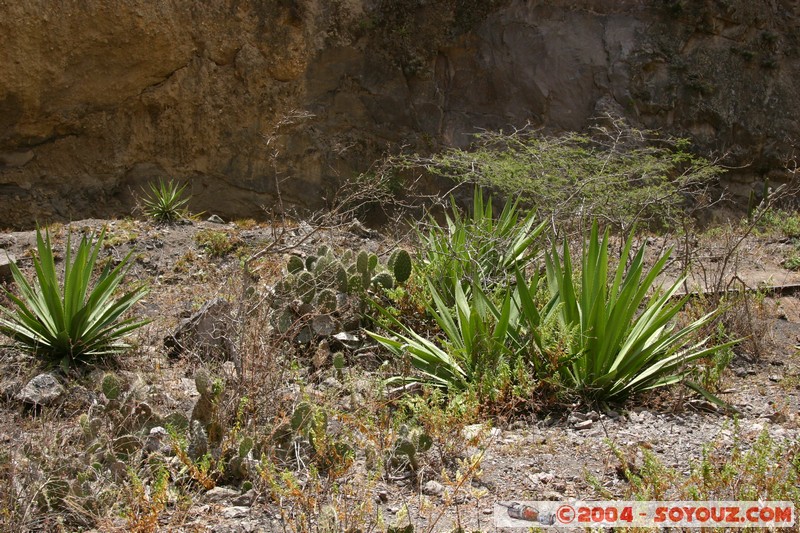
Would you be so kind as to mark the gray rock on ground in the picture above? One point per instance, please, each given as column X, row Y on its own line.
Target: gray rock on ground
column 209, row 333
column 5, row 266
column 42, row 390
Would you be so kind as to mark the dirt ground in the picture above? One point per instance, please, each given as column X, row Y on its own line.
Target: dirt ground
column 559, row 455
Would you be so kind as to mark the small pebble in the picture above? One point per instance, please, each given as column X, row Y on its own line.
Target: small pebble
column 432, row 488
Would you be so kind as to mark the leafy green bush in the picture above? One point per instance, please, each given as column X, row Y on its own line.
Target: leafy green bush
column 477, row 249
column 616, row 174
column 165, row 202
column 625, row 342
column 75, row 321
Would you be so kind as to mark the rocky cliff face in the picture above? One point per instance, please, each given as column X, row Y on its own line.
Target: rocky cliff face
column 247, row 99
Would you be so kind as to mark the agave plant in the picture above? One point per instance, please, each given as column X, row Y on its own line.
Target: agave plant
column 77, row 320
column 480, row 248
column 476, row 340
column 166, row 202
column 480, row 336
column 625, row 341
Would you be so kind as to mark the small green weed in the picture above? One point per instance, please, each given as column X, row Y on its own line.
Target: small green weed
column 767, row 469
column 145, row 504
column 246, row 223
column 122, row 232
column 711, row 373
column 216, row 243
column 780, row 221
column 793, row 262
column 185, row 262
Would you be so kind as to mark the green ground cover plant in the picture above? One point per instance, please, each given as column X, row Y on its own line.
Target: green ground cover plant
column 216, row 243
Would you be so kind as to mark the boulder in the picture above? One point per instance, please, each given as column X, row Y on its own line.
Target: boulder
column 5, row 266
column 209, row 333
column 42, row 390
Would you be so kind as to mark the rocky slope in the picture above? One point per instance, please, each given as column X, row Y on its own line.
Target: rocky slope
column 246, row 99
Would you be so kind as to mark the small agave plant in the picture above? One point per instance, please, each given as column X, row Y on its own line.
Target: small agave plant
column 166, row 202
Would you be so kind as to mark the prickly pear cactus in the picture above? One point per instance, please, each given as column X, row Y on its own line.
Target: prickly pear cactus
column 354, row 284
column 112, row 386
column 301, row 416
column 384, row 279
column 408, row 445
column 202, row 382
column 295, row 264
column 362, row 261
column 322, row 265
column 316, row 286
column 306, row 288
column 210, row 391
column 198, row 441
column 326, row 301
column 341, row 279
column 401, row 266
column 310, row 260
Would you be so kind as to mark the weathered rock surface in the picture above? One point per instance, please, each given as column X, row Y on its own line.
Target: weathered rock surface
column 209, row 332
column 243, row 99
column 43, row 390
column 6, row 260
